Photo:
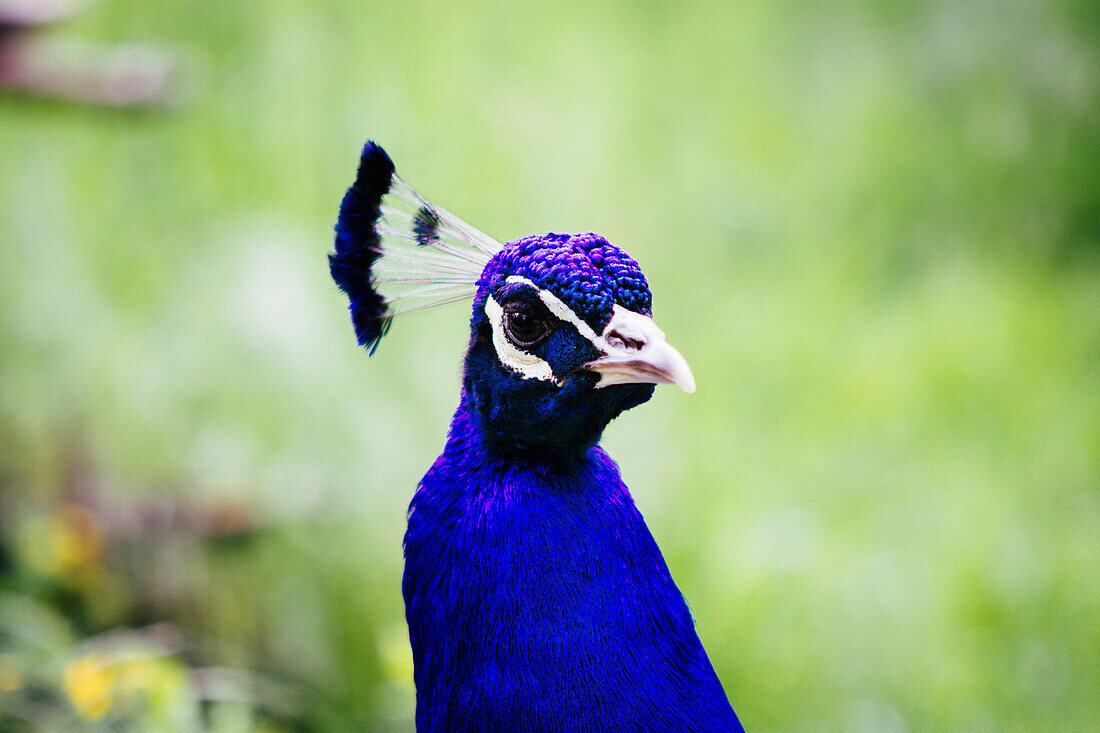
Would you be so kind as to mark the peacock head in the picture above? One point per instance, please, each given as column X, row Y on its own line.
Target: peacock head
column 562, row 338
column 562, row 341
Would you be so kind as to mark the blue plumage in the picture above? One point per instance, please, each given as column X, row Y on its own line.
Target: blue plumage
column 358, row 245
column 536, row 598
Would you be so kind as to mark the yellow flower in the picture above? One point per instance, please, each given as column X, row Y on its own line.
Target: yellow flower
column 67, row 546
column 74, row 538
column 89, row 682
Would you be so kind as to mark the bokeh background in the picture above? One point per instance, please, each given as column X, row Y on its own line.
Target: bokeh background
column 873, row 229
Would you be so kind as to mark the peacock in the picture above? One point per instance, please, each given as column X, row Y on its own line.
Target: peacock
column 536, row 597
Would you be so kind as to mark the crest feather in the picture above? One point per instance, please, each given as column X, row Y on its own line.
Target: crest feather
column 397, row 252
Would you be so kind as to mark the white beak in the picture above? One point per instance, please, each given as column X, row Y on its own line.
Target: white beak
column 635, row 352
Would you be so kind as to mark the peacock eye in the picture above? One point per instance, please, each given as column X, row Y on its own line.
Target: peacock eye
column 524, row 328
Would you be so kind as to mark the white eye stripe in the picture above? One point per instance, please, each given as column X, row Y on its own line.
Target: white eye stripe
column 623, row 322
column 527, row 365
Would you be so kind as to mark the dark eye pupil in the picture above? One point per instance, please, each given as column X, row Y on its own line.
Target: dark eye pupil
column 523, row 327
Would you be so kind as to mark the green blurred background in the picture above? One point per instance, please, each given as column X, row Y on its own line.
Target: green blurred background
column 872, row 228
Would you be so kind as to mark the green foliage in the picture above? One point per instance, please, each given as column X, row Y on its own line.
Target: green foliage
column 872, row 228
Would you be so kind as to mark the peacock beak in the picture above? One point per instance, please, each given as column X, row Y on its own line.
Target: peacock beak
column 635, row 352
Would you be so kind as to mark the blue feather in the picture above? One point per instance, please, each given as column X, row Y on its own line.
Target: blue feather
column 426, row 225
column 358, row 246
column 537, row 600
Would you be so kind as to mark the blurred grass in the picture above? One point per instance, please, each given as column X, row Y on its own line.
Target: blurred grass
column 872, row 228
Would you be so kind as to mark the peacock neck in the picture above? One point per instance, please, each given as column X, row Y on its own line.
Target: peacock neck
column 532, row 584
column 473, row 439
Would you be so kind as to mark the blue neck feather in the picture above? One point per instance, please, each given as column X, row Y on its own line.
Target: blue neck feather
column 537, row 600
